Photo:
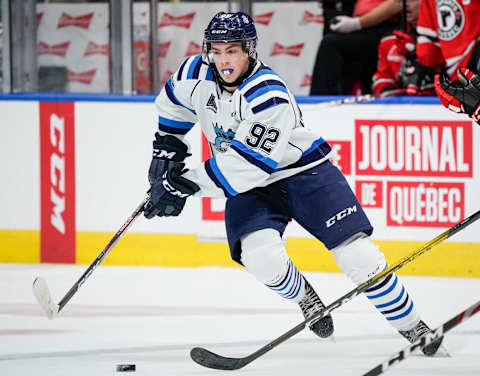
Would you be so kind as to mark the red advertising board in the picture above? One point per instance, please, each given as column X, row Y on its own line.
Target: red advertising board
column 413, row 148
column 57, row 188
column 369, row 193
column 432, row 204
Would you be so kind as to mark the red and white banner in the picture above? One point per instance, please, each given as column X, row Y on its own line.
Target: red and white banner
column 413, row 147
column 420, row 204
column 57, row 176
column 76, row 36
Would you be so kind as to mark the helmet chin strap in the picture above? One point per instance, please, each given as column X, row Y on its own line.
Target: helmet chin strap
column 239, row 80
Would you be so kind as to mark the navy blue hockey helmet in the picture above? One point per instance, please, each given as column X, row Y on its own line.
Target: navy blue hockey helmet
column 231, row 27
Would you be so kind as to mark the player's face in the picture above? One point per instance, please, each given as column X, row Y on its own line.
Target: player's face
column 230, row 60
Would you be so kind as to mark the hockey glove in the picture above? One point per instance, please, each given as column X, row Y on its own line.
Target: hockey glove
column 169, row 192
column 462, row 96
column 166, row 150
column 404, row 42
column 418, row 78
column 345, row 24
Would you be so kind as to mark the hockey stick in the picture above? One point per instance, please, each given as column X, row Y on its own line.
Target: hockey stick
column 425, row 340
column 40, row 288
column 209, row 359
column 363, row 98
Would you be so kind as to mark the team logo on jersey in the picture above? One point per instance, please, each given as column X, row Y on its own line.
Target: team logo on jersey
column 223, row 139
column 451, row 19
column 211, row 104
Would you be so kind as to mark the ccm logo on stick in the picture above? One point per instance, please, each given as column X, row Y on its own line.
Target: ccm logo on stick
column 340, row 215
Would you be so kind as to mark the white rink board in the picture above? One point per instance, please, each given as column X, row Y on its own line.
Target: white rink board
column 113, row 146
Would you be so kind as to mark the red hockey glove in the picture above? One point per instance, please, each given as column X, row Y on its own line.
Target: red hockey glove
column 405, row 42
column 461, row 96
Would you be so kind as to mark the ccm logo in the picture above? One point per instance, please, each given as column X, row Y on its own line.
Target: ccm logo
column 340, row 215
column 160, row 153
column 57, row 172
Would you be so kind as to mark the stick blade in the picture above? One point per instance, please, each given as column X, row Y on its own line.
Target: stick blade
column 42, row 294
column 209, row 359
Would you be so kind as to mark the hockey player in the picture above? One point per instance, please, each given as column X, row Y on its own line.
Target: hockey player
column 270, row 168
column 462, row 96
column 396, row 55
column 448, row 38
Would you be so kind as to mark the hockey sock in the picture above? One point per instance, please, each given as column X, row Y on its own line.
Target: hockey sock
column 392, row 300
column 264, row 256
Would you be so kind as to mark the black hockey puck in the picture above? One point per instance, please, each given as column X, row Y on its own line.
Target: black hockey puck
column 126, row 367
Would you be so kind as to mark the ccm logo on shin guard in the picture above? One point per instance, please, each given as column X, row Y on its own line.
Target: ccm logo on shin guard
column 340, row 215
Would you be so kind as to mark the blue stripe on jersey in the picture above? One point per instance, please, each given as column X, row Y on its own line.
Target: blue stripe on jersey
column 266, row 89
column 193, row 69
column 268, row 103
column 209, row 75
column 173, row 98
column 196, row 70
column 266, row 85
column 264, row 70
column 218, row 178
column 180, row 71
column 174, row 126
column 319, row 149
column 264, row 163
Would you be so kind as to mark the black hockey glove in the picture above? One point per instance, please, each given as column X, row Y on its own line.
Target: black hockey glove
column 166, row 150
column 169, row 192
column 169, row 148
column 461, row 96
column 417, row 78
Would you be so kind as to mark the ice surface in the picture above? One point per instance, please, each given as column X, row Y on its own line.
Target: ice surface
column 153, row 316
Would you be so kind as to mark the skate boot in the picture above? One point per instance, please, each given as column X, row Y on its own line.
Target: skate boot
column 310, row 305
column 418, row 331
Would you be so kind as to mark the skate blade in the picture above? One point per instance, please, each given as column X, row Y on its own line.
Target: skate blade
column 332, row 338
column 442, row 352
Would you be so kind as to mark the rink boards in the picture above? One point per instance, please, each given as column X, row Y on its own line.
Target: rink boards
column 75, row 168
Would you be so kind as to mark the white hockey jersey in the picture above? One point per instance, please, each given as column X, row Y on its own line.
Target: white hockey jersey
column 256, row 135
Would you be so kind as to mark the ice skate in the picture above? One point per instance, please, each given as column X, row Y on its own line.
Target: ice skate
column 310, row 305
column 418, row 331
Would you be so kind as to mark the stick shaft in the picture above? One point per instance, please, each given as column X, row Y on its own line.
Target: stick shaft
column 101, row 255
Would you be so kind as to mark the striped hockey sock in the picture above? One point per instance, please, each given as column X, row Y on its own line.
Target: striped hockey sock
column 392, row 300
column 291, row 285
